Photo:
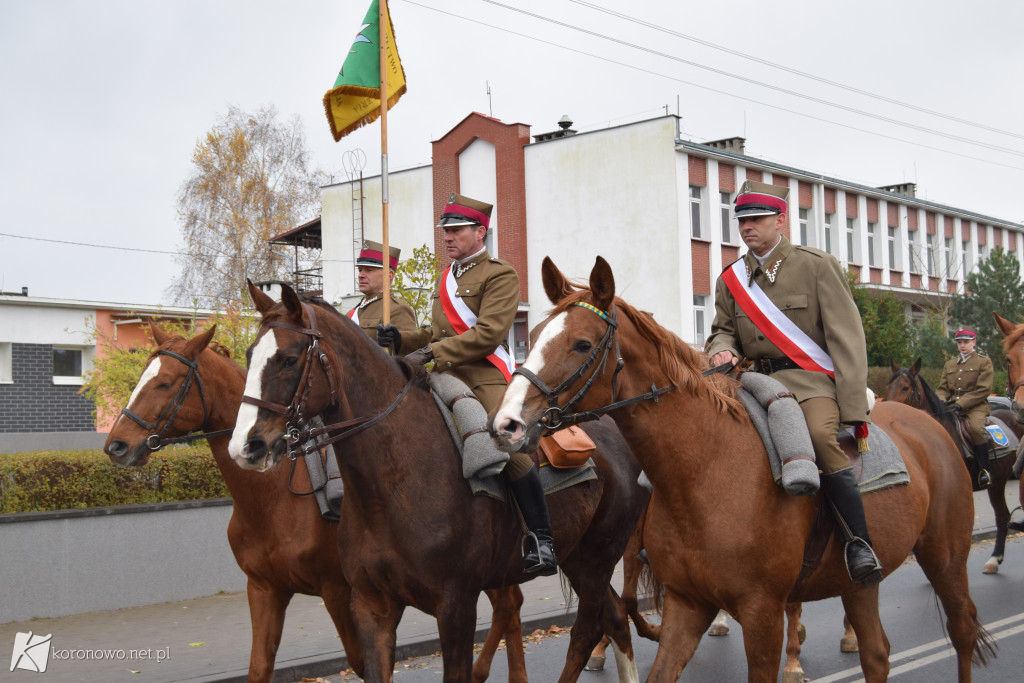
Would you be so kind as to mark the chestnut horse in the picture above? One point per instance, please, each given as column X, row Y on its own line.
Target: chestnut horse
column 412, row 531
column 1013, row 348
column 281, row 541
column 714, row 497
column 907, row 386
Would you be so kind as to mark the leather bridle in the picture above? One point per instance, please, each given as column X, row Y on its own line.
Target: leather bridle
column 915, row 392
column 156, row 440
column 556, row 417
column 301, row 435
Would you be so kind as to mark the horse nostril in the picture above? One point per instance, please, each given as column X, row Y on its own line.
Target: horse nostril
column 117, row 448
column 254, row 449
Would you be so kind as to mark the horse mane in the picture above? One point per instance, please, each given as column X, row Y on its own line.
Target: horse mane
column 681, row 364
column 217, row 347
column 937, row 406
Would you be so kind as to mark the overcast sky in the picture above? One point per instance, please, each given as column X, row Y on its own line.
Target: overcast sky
column 103, row 101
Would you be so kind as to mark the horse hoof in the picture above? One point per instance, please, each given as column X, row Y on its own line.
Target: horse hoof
column 793, row 677
column 991, row 567
column 849, row 644
column 718, row 630
column 595, row 664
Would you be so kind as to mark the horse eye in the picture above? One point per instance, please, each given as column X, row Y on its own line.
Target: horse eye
column 165, row 385
column 581, row 346
column 290, row 361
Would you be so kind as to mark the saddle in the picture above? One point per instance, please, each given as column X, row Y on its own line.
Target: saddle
column 999, row 436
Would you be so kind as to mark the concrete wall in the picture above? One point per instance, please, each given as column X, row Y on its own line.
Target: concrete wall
column 69, row 562
column 18, row 442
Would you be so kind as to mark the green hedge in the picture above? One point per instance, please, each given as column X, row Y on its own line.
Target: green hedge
column 878, row 378
column 63, row 480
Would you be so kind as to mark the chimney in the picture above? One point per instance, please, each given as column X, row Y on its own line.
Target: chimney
column 24, row 291
column 905, row 189
column 735, row 145
column 564, row 123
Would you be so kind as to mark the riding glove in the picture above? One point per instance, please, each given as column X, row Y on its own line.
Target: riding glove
column 389, row 336
column 421, row 356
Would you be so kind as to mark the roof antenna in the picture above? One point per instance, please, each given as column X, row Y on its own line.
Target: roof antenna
column 490, row 109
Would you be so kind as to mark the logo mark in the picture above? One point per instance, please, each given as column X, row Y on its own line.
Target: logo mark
column 31, row 652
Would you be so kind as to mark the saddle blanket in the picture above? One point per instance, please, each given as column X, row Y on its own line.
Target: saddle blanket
column 881, row 467
column 1004, row 441
column 552, row 479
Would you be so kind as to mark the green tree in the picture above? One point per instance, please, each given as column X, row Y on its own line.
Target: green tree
column 932, row 341
column 994, row 287
column 886, row 329
column 251, row 180
column 415, row 280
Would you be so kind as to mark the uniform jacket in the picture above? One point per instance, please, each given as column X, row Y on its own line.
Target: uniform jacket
column 371, row 312
column 811, row 289
column 968, row 381
column 491, row 290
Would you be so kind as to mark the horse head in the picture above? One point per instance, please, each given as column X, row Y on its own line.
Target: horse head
column 1013, row 347
column 167, row 402
column 904, row 385
column 289, row 378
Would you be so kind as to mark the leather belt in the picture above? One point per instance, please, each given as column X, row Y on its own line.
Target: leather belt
column 767, row 366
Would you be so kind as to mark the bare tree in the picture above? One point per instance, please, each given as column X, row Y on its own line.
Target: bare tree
column 250, row 181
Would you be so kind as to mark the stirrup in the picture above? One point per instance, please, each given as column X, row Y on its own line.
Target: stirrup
column 984, row 479
column 540, row 567
column 870, row 576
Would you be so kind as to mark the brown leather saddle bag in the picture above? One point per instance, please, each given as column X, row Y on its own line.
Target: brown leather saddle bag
column 568, row 447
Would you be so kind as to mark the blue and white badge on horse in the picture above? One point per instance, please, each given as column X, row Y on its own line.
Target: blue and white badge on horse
column 998, row 435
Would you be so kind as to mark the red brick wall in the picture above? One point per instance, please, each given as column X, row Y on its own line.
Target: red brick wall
column 929, row 219
column 851, row 205
column 873, row 210
column 780, row 180
column 726, row 178
column 510, row 171
column 915, row 281
column 806, row 194
column 701, row 267
column 754, row 175
column 894, row 213
column 982, row 234
column 895, row 278
column 912, row 220
column 830, row 200
column 729, row 254
column 698, row 171
column 876, row 275
column 854, row 270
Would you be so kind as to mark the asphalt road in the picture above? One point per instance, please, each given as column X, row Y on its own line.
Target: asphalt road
column 920, row 652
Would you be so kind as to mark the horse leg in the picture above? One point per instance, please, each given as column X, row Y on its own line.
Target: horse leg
column 793, row 671
column 505, row 623
column 848, row 643
column 720, row 626
column 683, row 622
column 997, row 497
column 633, row 573
column 763, row 630
column 337, row 596
column 456, row 625
column 376, row 617
column 600, row 612
column 267, row 605
column 862, row 612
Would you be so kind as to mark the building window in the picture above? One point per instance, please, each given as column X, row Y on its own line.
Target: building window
column 695, row 227
column 872, row 238
column 726, row 217
column 932, row 247
column 913, row 252
column 949, row 257
column 6, row 374
column 699, row 330
column 964, row 269
column 829, row 240
column 851, row 224
column 894, row 251
column 67, row 365
column 803, row 227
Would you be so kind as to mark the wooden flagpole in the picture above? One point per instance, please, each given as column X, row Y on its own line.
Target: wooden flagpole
column 382, row 30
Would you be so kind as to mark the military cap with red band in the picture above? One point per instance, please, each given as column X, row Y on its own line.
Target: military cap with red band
column 964, row 334
column 761, row 199
column 372, row 255
column 465, row 211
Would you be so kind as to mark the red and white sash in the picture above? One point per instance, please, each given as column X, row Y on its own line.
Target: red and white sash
column 462, row 319
column 779, row 329
column 354, row 315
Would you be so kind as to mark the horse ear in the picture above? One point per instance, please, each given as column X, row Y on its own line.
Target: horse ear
column 1004, row 325
column 555, row 284
column 159, row 335
column 917, row 366
column 260, row 300
column 602, row 284
column 195, row 345
column 895, row 367
column 291, row 300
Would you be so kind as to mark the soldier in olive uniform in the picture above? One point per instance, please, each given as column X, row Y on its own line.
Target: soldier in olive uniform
column 473, row 310
column 370, row 310
column 810, row 312
column 965, row 385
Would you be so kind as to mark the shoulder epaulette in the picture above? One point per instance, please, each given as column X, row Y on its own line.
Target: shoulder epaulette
column 810, row 250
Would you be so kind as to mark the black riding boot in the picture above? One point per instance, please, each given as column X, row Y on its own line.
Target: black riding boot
column 538, row 545
column 841, row 488
column 981, row 458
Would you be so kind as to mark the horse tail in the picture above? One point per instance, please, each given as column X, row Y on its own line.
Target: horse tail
column 650, row 587
column 984, row 645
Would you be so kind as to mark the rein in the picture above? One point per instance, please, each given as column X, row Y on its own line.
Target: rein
column 297, row 428
column 156, row 440
column 556, row 417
